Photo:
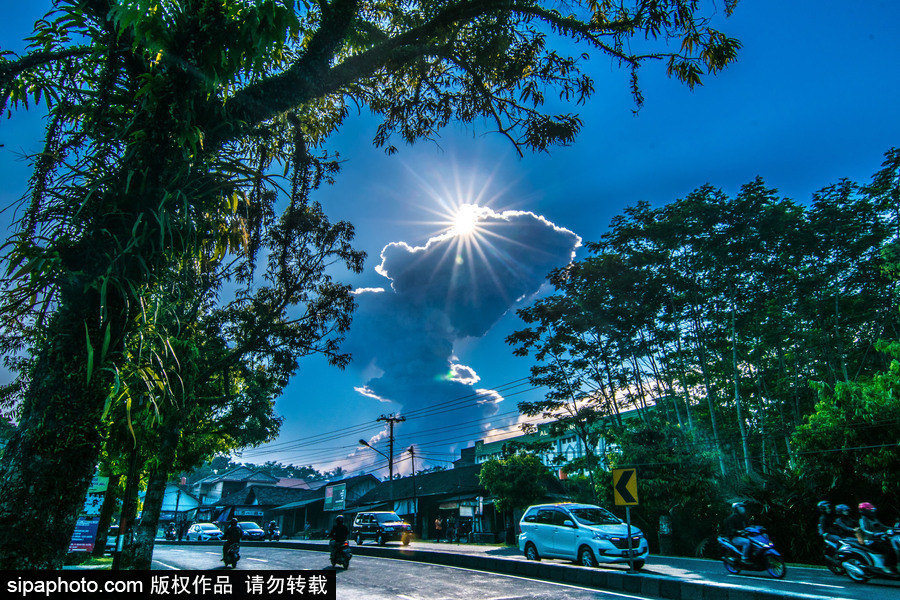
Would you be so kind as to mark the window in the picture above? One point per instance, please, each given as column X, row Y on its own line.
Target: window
column 559, row 517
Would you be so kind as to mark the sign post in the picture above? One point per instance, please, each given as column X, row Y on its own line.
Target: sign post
column 625, row 494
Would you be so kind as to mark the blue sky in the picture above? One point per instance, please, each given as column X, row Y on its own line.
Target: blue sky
column 812, row 98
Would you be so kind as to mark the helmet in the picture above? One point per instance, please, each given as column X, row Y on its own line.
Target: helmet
column 339, row 518
column 824, row 506
column 739, row 507
column 842, row 509
column 866, row 508
column 233, row 521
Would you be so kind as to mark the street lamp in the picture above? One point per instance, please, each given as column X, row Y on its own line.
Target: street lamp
column 390, row 466
column 390, row 461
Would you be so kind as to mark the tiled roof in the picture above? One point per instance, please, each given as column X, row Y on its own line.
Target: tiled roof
column 263, row 495
column 238, row 474
column 461, row 480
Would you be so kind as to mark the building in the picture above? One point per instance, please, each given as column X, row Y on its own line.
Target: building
column 312, row 513
column 210, row 490
column 553, row 450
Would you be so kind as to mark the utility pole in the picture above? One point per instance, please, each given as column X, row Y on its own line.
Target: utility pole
column 412, row 454
column 391, row 419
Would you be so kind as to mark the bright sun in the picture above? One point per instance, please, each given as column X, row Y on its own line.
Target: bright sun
column 465, row 221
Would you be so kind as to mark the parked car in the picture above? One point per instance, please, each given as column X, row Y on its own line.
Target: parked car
column 584, row 533
column 251, row 531
column 383, row 527
column 203, row 532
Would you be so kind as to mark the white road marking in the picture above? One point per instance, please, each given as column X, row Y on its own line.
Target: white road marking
column 159, row 562
column 837, row 587
column 257, row 559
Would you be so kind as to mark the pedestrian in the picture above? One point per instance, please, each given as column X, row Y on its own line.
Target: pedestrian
column 451, row 530
column 464, row 528
column 438, row 527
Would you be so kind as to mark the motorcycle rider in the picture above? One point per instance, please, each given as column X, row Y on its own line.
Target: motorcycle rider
column 735, row 529
column 844, row 526
column 271, row 529
column 338, row 535
column 875, row 534
column 826, row 519
column 233, row 535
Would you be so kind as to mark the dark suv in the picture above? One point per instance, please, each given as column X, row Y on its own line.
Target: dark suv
column 383, row 527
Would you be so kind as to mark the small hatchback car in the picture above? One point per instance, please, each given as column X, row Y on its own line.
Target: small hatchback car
column 203, row 532
column 587, row 534
column 382, row 527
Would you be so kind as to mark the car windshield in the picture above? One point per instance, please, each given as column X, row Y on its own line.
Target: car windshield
column 594, row 516
column 248, row 525
column 208, row 527
column 387, row 517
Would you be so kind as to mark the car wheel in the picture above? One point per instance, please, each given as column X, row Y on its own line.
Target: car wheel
column 380, row 540
column 586, row 557
column 531, row 552
column 359, row 539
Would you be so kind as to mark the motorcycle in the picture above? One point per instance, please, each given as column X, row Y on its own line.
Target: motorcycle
column 233, row 555
column 273, row 534
column 762, row 557
column 861, row 562
column 341, row 553
column 830, row 554
column 171, row 534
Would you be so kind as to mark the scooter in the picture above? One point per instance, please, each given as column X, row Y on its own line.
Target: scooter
column 763, row 555
column 862, row 562
column 830, row 555
column 273, row 534
column 171, row 534
column 341, row 554
column 233, row 555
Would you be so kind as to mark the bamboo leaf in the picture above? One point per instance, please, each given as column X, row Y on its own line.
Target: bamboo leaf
column 90, row 354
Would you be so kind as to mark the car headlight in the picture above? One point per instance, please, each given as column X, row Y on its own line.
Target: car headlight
column 599, row 535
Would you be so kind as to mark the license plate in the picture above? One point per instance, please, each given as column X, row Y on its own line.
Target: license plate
column 629, row 552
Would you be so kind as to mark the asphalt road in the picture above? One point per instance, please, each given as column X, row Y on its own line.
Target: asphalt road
column 375, row 578
column 371, row 578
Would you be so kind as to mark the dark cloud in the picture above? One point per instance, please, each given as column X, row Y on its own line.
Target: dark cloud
column 454, row 287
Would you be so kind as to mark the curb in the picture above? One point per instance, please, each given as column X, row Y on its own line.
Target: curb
column 657, row 586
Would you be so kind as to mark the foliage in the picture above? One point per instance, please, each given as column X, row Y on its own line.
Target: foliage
column 677, row 478
column 761, row 332
column 848, row 448
column 515, row 482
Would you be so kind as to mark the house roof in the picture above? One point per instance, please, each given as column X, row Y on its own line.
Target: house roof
column 318, row 494
column 262, row 495
column 240, row 474
column 289, row 482
column 458, row 481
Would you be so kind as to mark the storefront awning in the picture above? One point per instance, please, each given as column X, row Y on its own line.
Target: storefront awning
column 299, row 504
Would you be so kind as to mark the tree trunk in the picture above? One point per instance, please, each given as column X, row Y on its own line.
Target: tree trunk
column 742, row 425
column 710, row 398
column 153, row 500
column 48, row 465
column 110, row 503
